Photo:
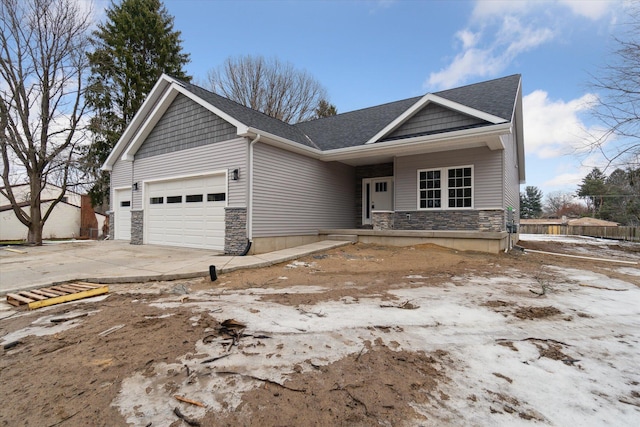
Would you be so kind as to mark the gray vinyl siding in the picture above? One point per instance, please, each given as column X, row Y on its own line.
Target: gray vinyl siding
column 297, row 195
column 487, row 175
column 433, row 118
column 223, row 156
column 121, row 176
column 511, row 176
column 186, row 124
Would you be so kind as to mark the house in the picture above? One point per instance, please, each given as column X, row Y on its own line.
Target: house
column 198, row 170
column 72, row 217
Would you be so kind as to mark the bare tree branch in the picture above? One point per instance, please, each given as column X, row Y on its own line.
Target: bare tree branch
column 270, row 86
column 43, row 47
column 618, row 106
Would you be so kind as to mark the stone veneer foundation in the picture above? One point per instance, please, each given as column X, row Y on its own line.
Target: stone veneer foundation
column 137, row 227
column 235, row 230
column 112, row 228
column 469, row 220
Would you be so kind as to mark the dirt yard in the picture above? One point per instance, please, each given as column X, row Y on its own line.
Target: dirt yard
column 361, row 335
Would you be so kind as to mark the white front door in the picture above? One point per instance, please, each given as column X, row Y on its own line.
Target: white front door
column 377, row 195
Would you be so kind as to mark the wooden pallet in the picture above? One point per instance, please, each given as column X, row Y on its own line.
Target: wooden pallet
column 57, row 294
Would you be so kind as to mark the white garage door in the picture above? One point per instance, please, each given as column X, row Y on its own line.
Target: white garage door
column 122, row 214
column 186, row 212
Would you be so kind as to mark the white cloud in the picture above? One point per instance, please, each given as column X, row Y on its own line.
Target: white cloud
column 553, row 127
column 565, row 180
column 510, row 40
column 592, row 9
column 487, row 8
column 477, row 62
column 468, row 38
column 501, row 30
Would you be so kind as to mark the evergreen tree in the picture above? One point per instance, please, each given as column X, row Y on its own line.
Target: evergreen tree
column 132, row 49
column 622, row 201
column 594, row 189
column 531, row 202
column 325, row 109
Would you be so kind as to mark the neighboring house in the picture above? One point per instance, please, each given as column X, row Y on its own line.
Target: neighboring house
column 196, row 169
column 65, row 220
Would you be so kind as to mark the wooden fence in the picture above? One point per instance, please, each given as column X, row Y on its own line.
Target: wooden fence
column 617, row 233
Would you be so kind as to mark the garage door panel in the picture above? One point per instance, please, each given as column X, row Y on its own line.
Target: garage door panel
column 195, row 221
column 122, row 213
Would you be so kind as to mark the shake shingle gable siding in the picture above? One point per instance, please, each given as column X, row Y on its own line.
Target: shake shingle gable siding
column 185, row 125
column 434, row 118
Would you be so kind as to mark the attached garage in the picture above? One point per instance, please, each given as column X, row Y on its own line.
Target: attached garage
column 186, row 212
column 122, row 213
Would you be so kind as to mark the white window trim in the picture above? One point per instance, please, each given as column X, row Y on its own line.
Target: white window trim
column 444, row 188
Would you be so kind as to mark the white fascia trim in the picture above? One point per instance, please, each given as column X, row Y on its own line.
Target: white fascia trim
column 519, row 134
column 147, row 126
column 157, row 91
column 285, row 144
column 440, row 101
column 397, row 147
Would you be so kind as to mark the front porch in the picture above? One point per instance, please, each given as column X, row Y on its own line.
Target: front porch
column 462, row 240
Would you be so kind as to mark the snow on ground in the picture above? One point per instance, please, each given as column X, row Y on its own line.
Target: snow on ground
column 597, row 330
column 560, row 238
column 593, row 247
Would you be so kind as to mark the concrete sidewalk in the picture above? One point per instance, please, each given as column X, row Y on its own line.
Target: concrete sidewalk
column 24, row 267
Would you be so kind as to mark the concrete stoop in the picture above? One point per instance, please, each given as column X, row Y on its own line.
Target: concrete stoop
column 353, row 238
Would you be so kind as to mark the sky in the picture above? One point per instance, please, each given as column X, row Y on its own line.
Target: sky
column 368, row 53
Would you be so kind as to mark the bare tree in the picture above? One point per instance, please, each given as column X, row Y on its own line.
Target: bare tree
column 269, row 86
column 618, row 106
column 559, row 204
column 42, row 61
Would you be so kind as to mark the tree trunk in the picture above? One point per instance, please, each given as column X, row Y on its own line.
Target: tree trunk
column 35, row 226
column 35, row 231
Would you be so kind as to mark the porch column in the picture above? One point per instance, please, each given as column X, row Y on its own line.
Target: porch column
column 382, row 220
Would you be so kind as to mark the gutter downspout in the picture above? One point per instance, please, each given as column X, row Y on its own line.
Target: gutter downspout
column 250, row 190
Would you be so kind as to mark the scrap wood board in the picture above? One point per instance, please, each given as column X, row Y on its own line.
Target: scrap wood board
column 36, row 298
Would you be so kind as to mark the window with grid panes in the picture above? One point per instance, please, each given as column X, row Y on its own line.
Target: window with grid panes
column 445, row 188
column 459, row 184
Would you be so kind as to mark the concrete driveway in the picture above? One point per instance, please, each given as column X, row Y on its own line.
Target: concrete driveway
column 28, row 267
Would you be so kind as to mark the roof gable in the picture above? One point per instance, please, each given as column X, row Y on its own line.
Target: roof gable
column 434, row 118
column 426, row 100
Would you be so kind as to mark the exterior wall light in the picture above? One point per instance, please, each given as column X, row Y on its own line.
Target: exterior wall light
column 235, row 175
column 135, row 186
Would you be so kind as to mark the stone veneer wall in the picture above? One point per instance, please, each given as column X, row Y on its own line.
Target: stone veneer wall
column 137, row 227
column 112, row 229
column 382, row 220
column 235, row 230
column 472, row 220
column 363, row 172
column 494, row 220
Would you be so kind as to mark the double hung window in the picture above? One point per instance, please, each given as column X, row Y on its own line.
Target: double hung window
column 445, row 188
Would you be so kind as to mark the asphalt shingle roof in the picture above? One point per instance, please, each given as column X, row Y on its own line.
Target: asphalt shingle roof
column 355, row 127
column 250, row 117
column 496, row 97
